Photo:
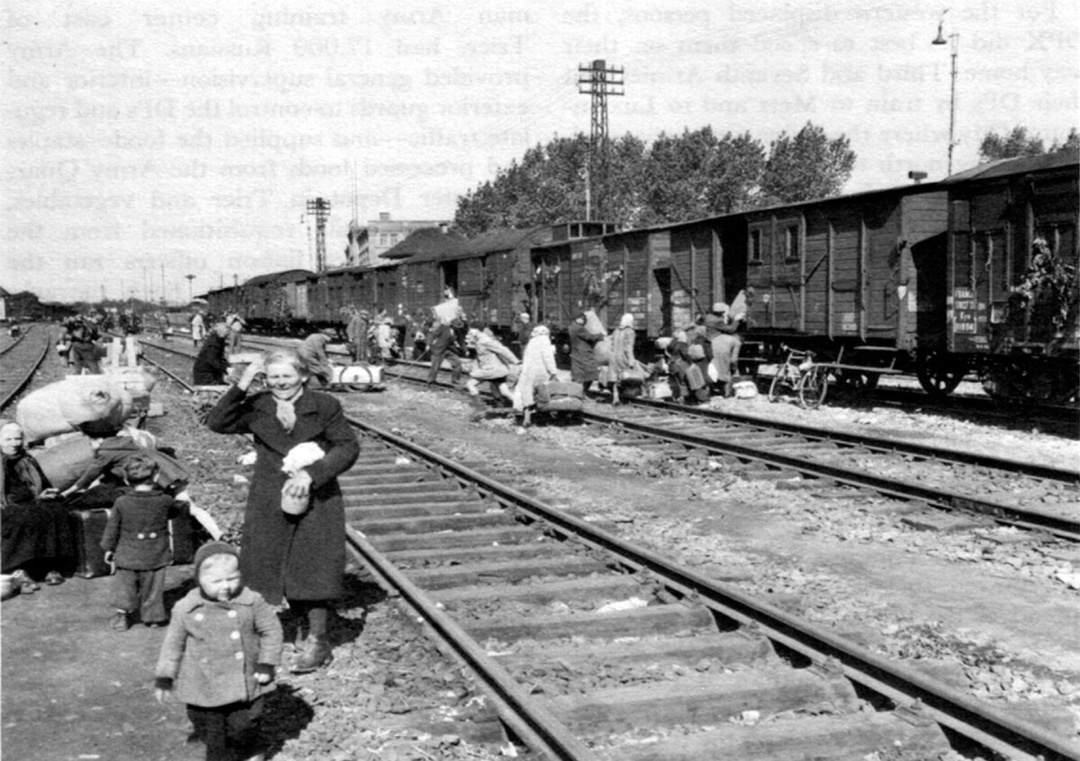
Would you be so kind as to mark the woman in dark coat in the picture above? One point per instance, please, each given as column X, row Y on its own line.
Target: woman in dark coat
column 583, row 368
column 37, row 531
column 211, row 365
column 300, row 558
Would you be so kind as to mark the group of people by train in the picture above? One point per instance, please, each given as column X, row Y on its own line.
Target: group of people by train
column 699, row 360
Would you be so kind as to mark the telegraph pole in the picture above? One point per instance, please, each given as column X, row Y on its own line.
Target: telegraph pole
column 320, row 207
column 599, row 81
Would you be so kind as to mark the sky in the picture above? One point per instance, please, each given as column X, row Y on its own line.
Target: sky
column 147, row 142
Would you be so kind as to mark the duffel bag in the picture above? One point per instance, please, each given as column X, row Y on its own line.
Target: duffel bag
column 560, row 396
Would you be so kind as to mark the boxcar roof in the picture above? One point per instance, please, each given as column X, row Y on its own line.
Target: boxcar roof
column 1023, row 165
column 427, row 241
column 504, row 239
column 287, row 276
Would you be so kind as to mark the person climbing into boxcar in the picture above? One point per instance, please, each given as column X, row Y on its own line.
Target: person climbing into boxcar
column 293, row 545
column 38, row 535
column 443, row 347
column 211, row 365
column 312, row 351
column 494, row 363
column 537, row 368
column 357, row 333
column 583, row 342
column 725, row 348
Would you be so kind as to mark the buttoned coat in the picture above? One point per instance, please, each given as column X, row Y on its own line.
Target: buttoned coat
column 211, row 648
column 301, row 557
column 138, row 530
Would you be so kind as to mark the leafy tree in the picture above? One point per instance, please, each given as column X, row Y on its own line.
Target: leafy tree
column 693, row 174
column 1011, row 146
column 1072, row 143
column 806, row 166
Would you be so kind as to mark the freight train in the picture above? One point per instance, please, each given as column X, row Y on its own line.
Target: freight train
column 973, row 274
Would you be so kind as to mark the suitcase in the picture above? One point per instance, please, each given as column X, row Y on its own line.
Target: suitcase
column 559, row 396
column 89, row 528
column 187, row 536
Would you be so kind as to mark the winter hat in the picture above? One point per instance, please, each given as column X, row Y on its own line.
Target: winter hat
column 210, row 549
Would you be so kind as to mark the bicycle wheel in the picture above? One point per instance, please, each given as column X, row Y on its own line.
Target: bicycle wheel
column 813, row 386
column 777, row 381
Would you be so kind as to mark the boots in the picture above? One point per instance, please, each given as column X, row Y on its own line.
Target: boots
column 316, row 654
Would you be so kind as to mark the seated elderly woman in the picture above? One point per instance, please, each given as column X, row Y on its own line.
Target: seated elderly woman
column 38, row 536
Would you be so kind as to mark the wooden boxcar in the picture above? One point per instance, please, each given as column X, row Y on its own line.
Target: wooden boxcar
column 1013, row 294
column 861, row 274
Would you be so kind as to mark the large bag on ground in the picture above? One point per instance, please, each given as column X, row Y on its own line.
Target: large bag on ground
column 560, row 396
column 92, row 404
column 64, row 463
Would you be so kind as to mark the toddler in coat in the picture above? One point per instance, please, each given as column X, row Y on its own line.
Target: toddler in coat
column 219, row 655
column 136, row 541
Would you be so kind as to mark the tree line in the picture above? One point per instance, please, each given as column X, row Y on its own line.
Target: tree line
column 695, row 174
column 683, row 176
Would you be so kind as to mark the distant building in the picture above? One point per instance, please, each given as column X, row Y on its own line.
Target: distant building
column 367, row 246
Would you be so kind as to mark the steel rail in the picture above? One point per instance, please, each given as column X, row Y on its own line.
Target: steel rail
column 532, row 723
column 22, row 384
column 871, row 442
column 1062, row 527
column 17, row 341
column 904, row 686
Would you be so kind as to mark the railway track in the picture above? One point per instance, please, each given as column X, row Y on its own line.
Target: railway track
column 21, row 360
column 592, row 648
column 1009, row 492
column 1024, row 495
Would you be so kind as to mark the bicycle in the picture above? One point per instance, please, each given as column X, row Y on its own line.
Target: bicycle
column 802, row 376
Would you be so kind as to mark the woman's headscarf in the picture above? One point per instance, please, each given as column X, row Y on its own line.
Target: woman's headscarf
column 627, row 321
column 540, row 330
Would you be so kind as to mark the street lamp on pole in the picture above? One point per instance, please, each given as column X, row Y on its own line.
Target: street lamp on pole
column 189, row 293
column 954, row 41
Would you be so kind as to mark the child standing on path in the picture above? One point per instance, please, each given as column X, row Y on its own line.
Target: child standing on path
column 136, row 540
column 219, row 655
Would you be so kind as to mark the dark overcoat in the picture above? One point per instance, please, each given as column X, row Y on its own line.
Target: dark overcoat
column 582, row 353
column 298, row 557
column 138, row 530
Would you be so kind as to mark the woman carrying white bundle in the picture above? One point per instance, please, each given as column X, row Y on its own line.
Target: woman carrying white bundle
column 296, row 555
column 537, row 368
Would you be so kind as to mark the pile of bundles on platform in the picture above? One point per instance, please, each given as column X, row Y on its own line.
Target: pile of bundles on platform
column 67, row 460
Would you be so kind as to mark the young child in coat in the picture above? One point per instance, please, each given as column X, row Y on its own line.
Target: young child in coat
column 219, row 655
column 136, row 540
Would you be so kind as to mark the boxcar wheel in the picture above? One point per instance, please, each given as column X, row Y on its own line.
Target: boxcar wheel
column 939, row 374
